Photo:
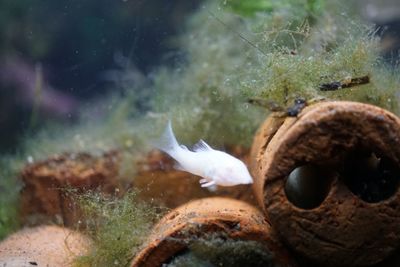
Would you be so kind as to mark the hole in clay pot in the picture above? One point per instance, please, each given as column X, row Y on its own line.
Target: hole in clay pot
column 307, row 186
column 370, row 177
column 219, row 251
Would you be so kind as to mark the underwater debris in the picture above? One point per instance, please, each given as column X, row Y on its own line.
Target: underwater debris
column 265, row 103
column 222, row 217
column 345, row 83
column 43, row 246
column 298, row 105
column 292, row 111
column 336, row 137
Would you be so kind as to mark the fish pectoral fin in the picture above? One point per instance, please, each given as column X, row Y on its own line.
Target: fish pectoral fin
column 208, row 184
column 201, row 146
column 184, row 147
column 202, row 181
column 212, row 188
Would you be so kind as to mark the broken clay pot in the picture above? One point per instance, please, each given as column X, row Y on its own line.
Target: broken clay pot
column 199, row 218
column 328, row 180
column 45, row 197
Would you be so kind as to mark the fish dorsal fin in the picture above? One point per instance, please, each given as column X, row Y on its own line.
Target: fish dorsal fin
column 201, row 146
column 184, row 147
column 167, row 141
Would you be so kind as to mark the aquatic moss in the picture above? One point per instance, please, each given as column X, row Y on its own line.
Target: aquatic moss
column 118, row 227
column 288, row 76
column 217, row 250
column 333, row 50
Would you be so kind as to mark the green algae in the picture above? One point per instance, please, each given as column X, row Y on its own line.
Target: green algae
column 117, row 226
column 298, row 58
column 217, row 250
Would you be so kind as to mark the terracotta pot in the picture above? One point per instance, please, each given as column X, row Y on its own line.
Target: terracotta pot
column 43, row 246
column 328, row 182
column 44, row 197
column 235, row 219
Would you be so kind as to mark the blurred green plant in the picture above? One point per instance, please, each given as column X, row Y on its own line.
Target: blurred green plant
column 249, row 8
column 9, row 197
column 252, row 7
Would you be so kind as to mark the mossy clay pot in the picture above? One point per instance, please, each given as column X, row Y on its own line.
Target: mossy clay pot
column 356, row 222
column 198, row 218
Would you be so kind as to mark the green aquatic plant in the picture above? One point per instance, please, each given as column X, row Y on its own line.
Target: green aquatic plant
column 287, row 76
column 335, row 50
column 117, row 226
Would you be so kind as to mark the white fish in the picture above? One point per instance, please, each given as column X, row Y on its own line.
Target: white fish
column 216, row 167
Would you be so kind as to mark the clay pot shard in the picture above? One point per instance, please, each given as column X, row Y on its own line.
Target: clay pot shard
column 201, row 218
column 328, row 182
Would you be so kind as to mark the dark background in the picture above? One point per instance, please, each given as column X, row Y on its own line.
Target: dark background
column 57, row 56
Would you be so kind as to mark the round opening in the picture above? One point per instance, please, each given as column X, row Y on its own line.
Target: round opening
column 219, row 251
column 308, row 185
column 371, row 177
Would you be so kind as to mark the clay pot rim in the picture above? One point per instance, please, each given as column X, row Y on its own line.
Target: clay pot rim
column 203, row 226
column 317, row 112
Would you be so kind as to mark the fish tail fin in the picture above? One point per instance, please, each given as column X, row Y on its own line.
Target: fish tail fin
column 167, row 142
